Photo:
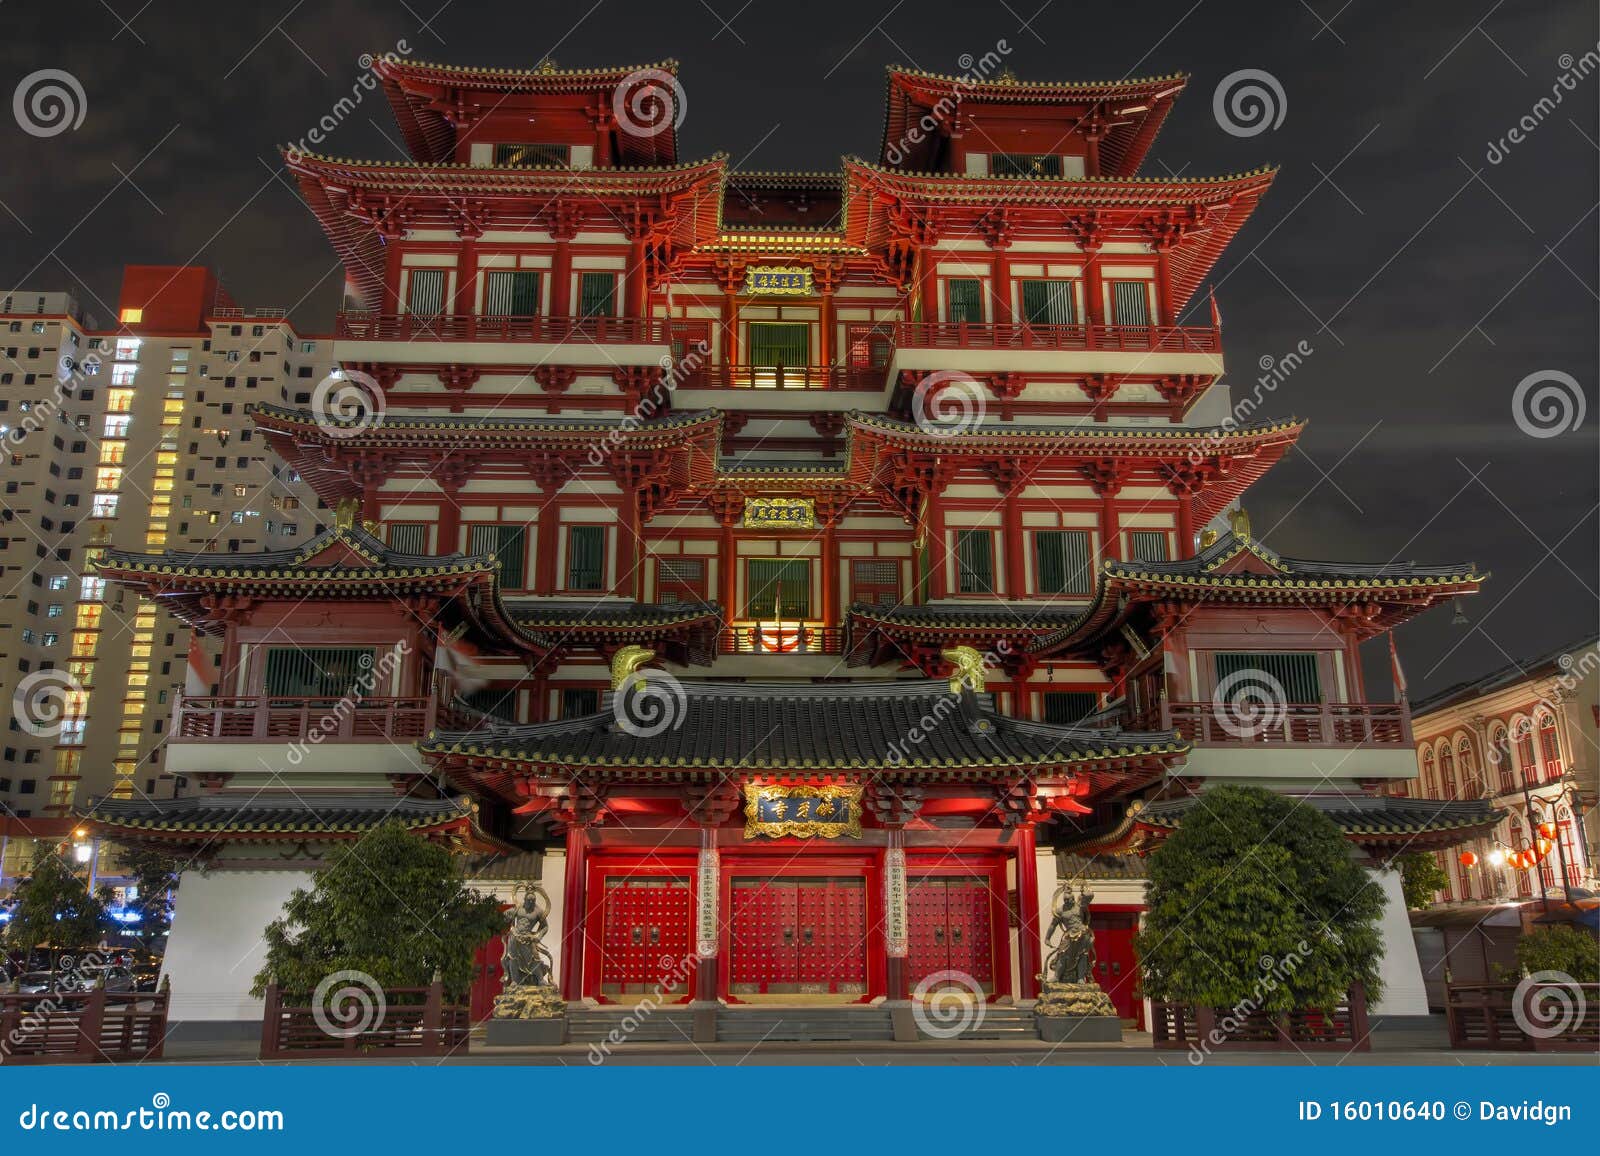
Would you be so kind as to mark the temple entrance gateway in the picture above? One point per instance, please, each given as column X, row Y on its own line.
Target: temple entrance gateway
column 950, row 938
column 798, row 935
column 648, row 927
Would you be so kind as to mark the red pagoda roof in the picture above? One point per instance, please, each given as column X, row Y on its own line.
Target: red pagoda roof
column 1193, row 219
column 430, row 99
column 1128, row 113
column 359, row 203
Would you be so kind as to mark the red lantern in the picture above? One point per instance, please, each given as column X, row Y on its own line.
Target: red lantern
column 1548, row 830
column 1469, row 858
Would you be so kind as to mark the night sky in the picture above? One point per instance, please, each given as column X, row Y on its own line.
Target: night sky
column 1427, row 280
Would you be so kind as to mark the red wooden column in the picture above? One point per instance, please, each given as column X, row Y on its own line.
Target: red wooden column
column 391, row 275
column 728, row 509
column 563, row 221
column 895, row 806
column 1002, row 313
column 1029, row 944
column 466, row 276
column 1165, row 313
column 575, row 897
column 1092, row 289
column 731, row 278
column 709, row 808
column 1107, row 477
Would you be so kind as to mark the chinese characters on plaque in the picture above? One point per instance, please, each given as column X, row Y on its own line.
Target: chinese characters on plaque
column 778, row 281
column 806, row 812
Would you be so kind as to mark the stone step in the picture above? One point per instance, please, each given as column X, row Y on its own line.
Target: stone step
column 996, row 1023
column 632, row 1025
column 803, row 1024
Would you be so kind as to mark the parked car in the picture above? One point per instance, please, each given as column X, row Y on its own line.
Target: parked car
column 113, row 977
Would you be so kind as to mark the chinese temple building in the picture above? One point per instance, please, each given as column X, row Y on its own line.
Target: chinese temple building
column 801, row 575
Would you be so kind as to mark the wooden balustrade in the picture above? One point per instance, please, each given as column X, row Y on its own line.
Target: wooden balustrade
column 259, row 718
column 1116, row 338
column 838, row 377
column 397, row 1025
column 1205, row 1029
column 784, row 639
column 1483, row 1016
column 366, row 326
column 83, row 1027
column 1327, row 724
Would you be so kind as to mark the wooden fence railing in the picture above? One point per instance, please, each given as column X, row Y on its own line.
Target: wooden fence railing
column 83, row 1027
column 393, row 1029
column 1483, row 1016
column 1342, row 1028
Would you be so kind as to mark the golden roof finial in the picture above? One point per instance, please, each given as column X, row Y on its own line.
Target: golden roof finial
column 1239, row 523
column 968, row 670
column 547, row 65
column 626, row 661
column 345, row 513
column 1006, row 76
column 1208, row 538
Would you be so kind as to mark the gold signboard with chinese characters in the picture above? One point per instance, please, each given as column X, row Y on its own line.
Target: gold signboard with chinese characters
column 780, row 514
column 777, row 281
column 806, row 812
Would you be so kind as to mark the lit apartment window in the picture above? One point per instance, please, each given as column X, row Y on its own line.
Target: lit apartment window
column 105, row 506
column 128, row 348
column 132, row 316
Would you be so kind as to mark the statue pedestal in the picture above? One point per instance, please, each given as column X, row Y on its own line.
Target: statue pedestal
column 528, row 1017
column 1078, row 1013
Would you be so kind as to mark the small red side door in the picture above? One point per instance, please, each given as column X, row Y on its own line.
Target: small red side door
column 1115, row 966
column 487, row 979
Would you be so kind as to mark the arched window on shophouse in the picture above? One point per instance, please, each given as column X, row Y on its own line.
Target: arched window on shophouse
column 1571, row 846
column 1527, row 760
column 1472, row 786
column 1500, row 755
column 1523, row 882
column 1447, row 771
column 1430, row 777
column 1549, row 746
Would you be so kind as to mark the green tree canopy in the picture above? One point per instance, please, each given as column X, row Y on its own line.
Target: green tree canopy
column 55, row 908
column 154, row 874
column 1255, row 901
column 1421, row 878
column 1562, row 948
column 391, row 905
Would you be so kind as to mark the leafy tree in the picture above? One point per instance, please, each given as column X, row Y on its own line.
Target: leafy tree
column 154, row 874
column 1256, row 902
column 1562, row 948
column 391, row 905
column 1421, row 878
column 55, row 908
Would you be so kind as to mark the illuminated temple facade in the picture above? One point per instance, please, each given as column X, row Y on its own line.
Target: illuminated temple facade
column 803, row 575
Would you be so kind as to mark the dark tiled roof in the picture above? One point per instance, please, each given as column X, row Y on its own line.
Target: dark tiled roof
column 495, row 423
column 1362, row 815
column 802, row 727
column 382, row 557
column 1507, row 675
column 307, row 813
column 977, row 615
column 560, row 614
column 1203, row 568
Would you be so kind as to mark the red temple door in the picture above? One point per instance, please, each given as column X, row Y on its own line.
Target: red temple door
column 950, row 929
column 1116, row 966
column 798, row 936
column 487, row 978
column 647, row 929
